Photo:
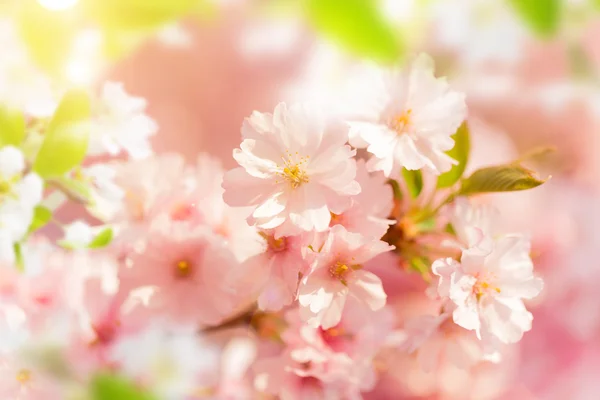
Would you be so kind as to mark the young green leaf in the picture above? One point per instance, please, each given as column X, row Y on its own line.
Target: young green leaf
column 67, row 136
column 460, row 152
column 501, row 178
column 12, row 127
column 41, row 216
column 102, row 239
column 542, row 16
column 107, row 386
column 414, row 181
column 358, row 26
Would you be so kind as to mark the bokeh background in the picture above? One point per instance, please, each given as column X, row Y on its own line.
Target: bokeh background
column 530, row 69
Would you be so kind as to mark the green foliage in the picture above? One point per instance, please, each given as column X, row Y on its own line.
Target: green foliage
column 48, row 34
column 66, row 138
column 542, row 16
column 107, row 386
column 414, row 181
column 501, row 178
column 137, row 14
column 102, row 239
column 460, row 152
column 12, row 127
column 41, row 217
column 357, row 26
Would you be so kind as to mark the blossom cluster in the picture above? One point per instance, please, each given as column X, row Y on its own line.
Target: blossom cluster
column 275, row 277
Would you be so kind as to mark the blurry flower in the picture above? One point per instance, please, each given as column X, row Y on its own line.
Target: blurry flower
column 294, row 170
column 436, row 339
column 106, row 196
column 169, row 361
column 488, row 286
column 18, row 197
column 409, row 120
column 121, row 124
column 191, row 273
column 78, row 234
column 336, row 274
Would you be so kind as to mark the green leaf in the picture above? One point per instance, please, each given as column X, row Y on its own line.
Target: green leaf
column 12, row 127
column 103, row 239
column 19, row 261
column 501, row 178
column 358, row 26
column 41, row 216
column 414, row 181
column 460, row 152
column 542, row 16
column 107, row 386
column 395, row 188
column 67, row 136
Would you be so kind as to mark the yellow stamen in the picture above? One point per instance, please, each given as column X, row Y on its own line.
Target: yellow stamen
column 400, row 122
column 184, row 268
column 293, row 169
column 23, row 376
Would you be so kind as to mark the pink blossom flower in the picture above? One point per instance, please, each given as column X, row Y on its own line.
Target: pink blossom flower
column 294, row 171
column 191, row 273
column 488, row 286
column 276, row 271
column 336, row 274
column 436, row 339
column 332, row 378
column 198, row 200
column 360, row 333
column 409, row 120
column 370, row 208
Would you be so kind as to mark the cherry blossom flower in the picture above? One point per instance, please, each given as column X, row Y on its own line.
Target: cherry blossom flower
column 122, row 124
column 294, row 170
column 409, row 120
column 370, row 208
column 336, row 274
column 488, row 286
column 18, row 197
column 436, row 339
column 277, row 270
column 192, row 274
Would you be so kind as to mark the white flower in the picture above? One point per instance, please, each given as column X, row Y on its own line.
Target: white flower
column 18, row 197
column 172, row 362
column 107, row 197
column 78, row 234
column 408, row 120
column 294, row 171
column 488, row 287
column 336, row 274
column 122, row 124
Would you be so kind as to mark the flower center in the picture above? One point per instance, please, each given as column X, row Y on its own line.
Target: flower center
column 340, row 270
column 183, row 269
column 23, row 376
column 294, row 169
column 483, row 286
column 183, row 212
column 400, row 122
